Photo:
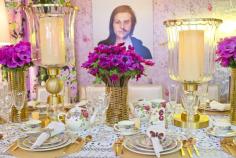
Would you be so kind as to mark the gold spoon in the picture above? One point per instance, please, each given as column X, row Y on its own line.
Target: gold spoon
column 87, row 139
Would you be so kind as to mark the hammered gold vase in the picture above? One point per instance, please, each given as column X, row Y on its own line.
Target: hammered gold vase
column 17, row 82
column 233, row 96
column 118, row 109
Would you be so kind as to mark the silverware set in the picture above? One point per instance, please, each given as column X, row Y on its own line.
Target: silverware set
column 190, row 147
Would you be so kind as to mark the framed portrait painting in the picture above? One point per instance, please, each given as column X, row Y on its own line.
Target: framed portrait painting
column 124, row 21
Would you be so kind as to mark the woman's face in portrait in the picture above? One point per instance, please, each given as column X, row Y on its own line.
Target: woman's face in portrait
column 122, row 25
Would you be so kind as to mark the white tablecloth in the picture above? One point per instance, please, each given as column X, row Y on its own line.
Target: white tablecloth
column 104, row 136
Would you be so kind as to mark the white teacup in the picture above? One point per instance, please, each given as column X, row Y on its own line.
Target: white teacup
column 125, row 125
column 32, row 125
column 222, row 126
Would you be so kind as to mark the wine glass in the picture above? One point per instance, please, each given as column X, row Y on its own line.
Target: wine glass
column 173, row 96
column 18, row 101
column 203, row 97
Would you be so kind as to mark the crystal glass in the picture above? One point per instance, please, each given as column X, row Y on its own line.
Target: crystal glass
column 172, row 103
column 203, row 96
column 190, row 103
column 18, row 100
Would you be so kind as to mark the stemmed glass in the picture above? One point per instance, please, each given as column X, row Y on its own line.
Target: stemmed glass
column 173, row 96
column 190, row 103
column 18, row 101
column 203, row 96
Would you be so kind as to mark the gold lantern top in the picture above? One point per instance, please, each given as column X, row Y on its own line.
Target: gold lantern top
column 191, row 44
column 51, row 29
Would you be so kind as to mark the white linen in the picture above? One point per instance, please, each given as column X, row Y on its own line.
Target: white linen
column 159, row 128
column 219, row 106
column 54, row 129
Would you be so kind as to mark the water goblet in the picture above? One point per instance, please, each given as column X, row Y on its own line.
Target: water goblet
column 190, row 103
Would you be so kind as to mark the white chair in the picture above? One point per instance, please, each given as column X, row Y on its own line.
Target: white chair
column 148, row 91
column 135, row 92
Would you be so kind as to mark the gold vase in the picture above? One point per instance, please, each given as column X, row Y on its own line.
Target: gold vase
column 118, row 109
column 17, row 82
column 233, row 96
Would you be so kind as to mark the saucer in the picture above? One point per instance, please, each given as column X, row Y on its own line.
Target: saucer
column 127, row 133
column 221, row 133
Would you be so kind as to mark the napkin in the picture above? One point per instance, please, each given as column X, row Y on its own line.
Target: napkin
column 156, row 133
column 54, row 128
column 218, row 106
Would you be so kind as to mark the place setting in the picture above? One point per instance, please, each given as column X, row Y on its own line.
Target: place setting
column 52, row 141
column 154, row 142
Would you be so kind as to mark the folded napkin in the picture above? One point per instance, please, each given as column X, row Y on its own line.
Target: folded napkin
column 156, row 133
column 54, row 128
column 219, row 106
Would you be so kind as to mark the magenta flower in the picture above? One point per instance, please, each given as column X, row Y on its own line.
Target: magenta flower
column 115, row 64
column 16, row 56
column 226, row 52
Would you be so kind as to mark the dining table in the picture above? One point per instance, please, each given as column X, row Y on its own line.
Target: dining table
column 104, row 137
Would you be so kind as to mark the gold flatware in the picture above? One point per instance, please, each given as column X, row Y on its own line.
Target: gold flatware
column 189, row 152
column 14, row 146
column 196, row 150
column 88, row 138
column 182, row 151
column 77, row 141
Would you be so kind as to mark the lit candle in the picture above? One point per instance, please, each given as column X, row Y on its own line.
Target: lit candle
column 52, row 43
column 191, row 55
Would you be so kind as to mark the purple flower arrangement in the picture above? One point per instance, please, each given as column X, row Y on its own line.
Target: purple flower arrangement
column 226, row 52
column 16, row 56
column 115, row 64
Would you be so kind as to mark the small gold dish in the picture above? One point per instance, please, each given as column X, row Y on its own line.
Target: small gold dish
column 180, row 121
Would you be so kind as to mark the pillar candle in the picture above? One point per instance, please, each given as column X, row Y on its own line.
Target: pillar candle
column 52, row 41
column 191, row 55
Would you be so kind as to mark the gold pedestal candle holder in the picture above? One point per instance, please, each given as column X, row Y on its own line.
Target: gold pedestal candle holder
column 54, row 86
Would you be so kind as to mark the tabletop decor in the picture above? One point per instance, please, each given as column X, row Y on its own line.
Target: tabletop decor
column 191, row 57
column 115, row 65
column 52, row 36
column 226, row 54
column 16, row 59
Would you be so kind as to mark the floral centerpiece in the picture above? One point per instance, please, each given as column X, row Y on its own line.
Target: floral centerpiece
column 115, row 65
column 17, row 56
column 15, row 59
column 226, row 56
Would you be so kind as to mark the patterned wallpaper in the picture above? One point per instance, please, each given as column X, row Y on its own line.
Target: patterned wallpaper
column 162, row 10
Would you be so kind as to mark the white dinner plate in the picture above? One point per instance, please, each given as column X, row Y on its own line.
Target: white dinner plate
column 222, row 133
column 22, row 146
column 171, row 146
column 138, row 151
column 50, row 143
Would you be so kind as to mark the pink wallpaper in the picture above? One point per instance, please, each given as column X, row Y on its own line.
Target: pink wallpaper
column 162, row 10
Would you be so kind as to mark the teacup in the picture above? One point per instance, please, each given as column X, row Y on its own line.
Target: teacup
column 125, row 125
column 222, row 126
column 32, row 125
column 43, row 108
